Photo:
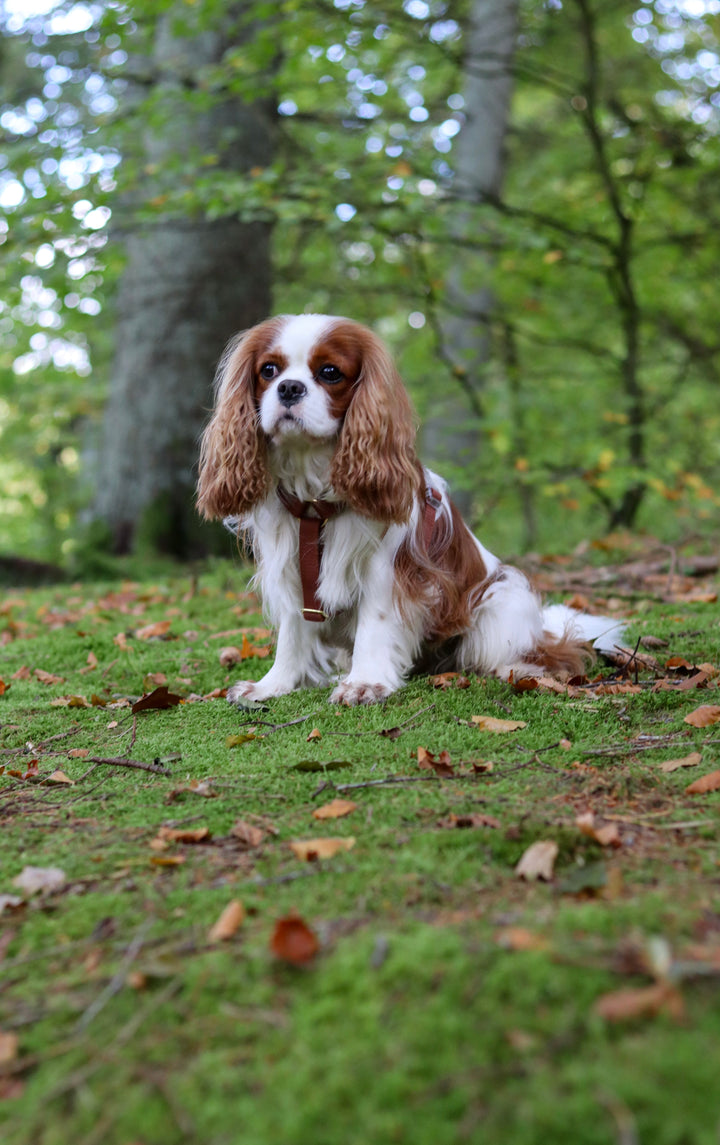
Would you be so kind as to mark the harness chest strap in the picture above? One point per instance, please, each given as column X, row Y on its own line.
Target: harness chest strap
column 312, row 515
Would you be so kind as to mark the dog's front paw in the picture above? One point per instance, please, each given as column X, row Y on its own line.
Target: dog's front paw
column 352, row 694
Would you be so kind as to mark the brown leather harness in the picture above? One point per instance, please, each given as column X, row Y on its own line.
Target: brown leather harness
column 312, row 516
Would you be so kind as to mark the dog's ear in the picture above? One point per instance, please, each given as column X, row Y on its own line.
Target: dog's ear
column 375, row 468
column 233, row 453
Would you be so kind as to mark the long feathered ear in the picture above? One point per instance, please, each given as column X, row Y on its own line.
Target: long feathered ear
column 375, row 467
column 233, row 468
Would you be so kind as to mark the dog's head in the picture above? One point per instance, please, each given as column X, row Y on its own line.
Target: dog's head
column 304, row 379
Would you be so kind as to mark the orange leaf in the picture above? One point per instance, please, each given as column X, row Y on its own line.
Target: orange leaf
column 704, row 716
column 47, row 677
column 709, row 782
column 150, row 631
column 293, row 941
column 440, row 765
column 311, row 849
column 228, row 922
column 4, row 687
column 184, row 834
column 335, row 809
column 314, row 734
column 624, row 1005
column 491, row 724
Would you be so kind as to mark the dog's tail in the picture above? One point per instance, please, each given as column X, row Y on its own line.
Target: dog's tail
column 605, row 634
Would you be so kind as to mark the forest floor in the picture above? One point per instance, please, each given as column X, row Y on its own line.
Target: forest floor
column 474, row 913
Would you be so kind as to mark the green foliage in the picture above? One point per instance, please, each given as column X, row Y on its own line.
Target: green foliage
column 601, row 254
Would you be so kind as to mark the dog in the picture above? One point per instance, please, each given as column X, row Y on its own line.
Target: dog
column 365, row 566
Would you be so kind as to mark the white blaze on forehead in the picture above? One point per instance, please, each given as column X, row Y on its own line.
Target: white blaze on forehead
column 300, row 333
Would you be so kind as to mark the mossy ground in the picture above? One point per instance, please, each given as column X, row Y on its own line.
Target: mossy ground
column 450, row 1000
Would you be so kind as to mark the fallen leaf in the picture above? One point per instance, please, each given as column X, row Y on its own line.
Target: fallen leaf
column 236, row 740
column 520, row 938
column 43, row 879
column 314, row 734
column 167, row 860
column 60, row 777
column 293, row 941
column 47, row 677
column 709, row 782
column 70, row 702
column 624, row 1005
column 607, row 835
column 228, row 922
column 703, row 716
column 447, row 680
column 250, row 651
column 335, row 809
column 440, row 766
column 185, row 834
column 320, row 765
column 79, row 753
column 8, row 1047
column 691, row 760
column 121, row 641
column 22, row 673
column 247, row 835
column 538, row 861
column 158, row 699
column 491, row 724
column 154, row 680
column 152, row 631
column 311, row 849
column 4, row 687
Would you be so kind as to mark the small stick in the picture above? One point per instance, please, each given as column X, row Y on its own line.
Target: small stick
column 155, row 767
column 117, row 981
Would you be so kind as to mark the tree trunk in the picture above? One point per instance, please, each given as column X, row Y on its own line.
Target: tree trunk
column 479, row 168
column 188, row 285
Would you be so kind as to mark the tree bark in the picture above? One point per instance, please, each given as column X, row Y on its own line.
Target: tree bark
column 479, row 167
column 188, row 284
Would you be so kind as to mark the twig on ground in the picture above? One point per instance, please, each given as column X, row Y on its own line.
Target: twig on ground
column 117, row 981
column 118, row 762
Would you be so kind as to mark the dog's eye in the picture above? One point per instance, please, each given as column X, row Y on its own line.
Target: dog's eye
column 269, row 371
column 330, row 374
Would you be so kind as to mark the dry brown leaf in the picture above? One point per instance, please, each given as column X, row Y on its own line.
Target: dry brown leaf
column 121, row 641
column 335, row 809
column 8, row 1047
column 703, row 716
column 691, row 760
column 247, row 835
column 70, row 702
column 79, row 753
column 440, row 765
column 314, row 734
column 606, row 834
column 311, row 849
column 709, row 782
column 60, row 777
column 4, row 687
column 47, row 677
column 152, row 631
column 447, row 680
column 184, row 834
column 538, row 861
column 228, row 922
column 167, row 860
column 624, row 1005
column 293, row 941
column 491, row 724
column 158, row 699
column 23, row 673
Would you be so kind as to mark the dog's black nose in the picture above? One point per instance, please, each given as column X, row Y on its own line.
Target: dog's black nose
column 290, row 392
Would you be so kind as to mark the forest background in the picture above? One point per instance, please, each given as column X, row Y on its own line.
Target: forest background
column 521, row 198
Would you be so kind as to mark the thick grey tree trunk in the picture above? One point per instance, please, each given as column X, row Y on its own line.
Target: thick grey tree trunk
column 479, row 163
column 188, row 285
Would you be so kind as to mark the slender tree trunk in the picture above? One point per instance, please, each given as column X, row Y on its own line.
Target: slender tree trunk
column 479, row 168
column 188, row 285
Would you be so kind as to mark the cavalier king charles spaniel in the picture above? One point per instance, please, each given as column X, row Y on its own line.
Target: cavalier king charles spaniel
column 366, row 568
